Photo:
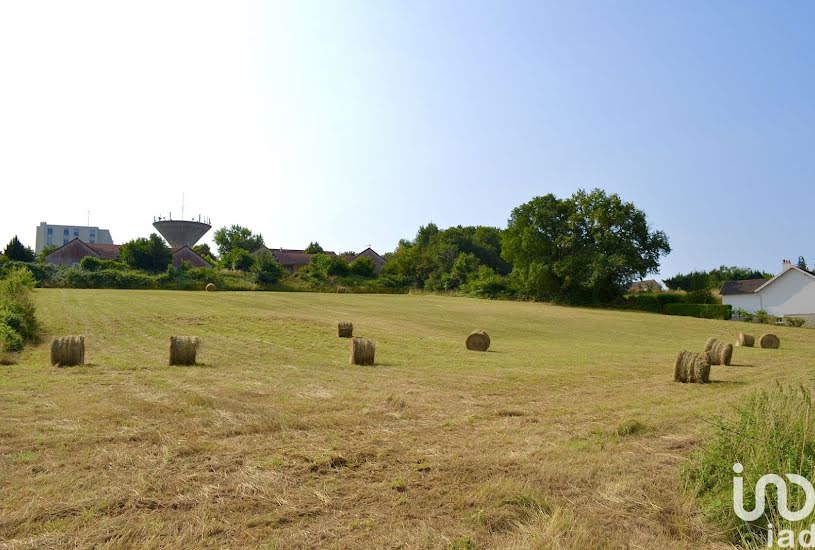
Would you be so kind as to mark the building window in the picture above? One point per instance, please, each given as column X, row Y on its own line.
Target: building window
column 64, row 241
column 49, row 241
column 65, row 232
column 93, row 240
column 76, row 232
column 50, row 230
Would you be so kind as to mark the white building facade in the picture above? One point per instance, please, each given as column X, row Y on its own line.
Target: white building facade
column 789, row 294
column 59, row 235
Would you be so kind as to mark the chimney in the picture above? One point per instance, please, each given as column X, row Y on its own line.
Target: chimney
column 786, row 265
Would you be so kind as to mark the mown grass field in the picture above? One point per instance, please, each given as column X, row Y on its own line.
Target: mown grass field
column 275, row 441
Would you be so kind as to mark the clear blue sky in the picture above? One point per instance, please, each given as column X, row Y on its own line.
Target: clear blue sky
column 355, row 122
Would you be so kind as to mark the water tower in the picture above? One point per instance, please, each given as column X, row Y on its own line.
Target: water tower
column 181, row 233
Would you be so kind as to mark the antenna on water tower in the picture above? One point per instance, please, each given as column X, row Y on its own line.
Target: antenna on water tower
column 182, row 205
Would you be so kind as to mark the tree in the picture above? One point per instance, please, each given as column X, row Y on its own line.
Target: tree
column 205, row 252
column 149, row 254
column 236, row 236
column 238, row 259
column 267, row 270
column 802, row 263
column 586, row 248
column 314, row 248
column 338, row 267
column 47, row 249
column 363, row 266
column 15, row 250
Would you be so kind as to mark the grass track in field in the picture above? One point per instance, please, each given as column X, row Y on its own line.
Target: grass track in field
column 276, row 442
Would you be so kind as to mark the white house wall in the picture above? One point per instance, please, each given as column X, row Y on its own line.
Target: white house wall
column 793, row 293
column 747, row 302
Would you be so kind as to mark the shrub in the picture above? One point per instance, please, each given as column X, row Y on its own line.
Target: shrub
column 110, row 278
column 238, row 259
column 149, row 254
column 16, row 297
column 654, row 302
column 486, row 283
column 13, row 320
column 702, row 296
column 10, row 340
column 91, row 263
column 704, row 311
column 773, row 433
column 795, row 321
column 338, row 267
column 762, row 316
column 267, row 270
column 744, row 315
column 363, row 266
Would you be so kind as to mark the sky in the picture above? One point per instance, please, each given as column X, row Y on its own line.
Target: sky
column 352, row 123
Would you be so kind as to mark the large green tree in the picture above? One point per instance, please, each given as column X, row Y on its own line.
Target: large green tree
column 585, row 248
column 16, row 250
column 237, row 236
column 149, row 254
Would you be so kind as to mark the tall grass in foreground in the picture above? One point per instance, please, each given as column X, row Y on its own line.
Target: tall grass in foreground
column 774, row 432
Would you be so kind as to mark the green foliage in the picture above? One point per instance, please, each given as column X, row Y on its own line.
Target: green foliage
column 320, row 263
column 338, row 267
column 17, row 302
column 701, row 296
column 186, row 277
column 705, row 311
column 802, row 263
column 267, row 270
column 773, row 433
column 761, row 316
column 654, row 302
column 234, row 237
column 585, row 249
column 10, row 340
column 713, row 279
column 110, row 278
column 238, row 259
column 91, row 263
column 486, row 283
column 314, row 248
column 47, row 249
column 428, row 260
column 363, row 266
column 17, row 251
column 743, row 314
column 149, row 254
column 796, row 322
column 205, row 252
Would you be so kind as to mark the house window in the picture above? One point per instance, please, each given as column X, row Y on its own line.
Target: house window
column 50, row 230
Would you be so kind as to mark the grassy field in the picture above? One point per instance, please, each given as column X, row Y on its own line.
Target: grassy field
column 568, row 433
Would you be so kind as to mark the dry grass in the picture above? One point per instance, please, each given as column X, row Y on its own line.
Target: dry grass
column 278, row 443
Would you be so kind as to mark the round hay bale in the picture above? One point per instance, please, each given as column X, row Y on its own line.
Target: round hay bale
column 478, row 340
column 692, row 368
column 345, row 329
column 183, row 349
column 769, row 341
column 362, row 351
column 342, row 289
column 67, row 351
column 709, row 343
column 746, row 340
column 210, row 287
column 720, row 353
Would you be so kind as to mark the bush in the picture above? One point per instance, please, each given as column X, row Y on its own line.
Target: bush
column 363, row 266
column 45, row 275
column 486, row 283
column 110, row 278
column 338, row 267
column 703, row 296
column 16, row 298
column 744, row 315
column 773, row 433
column 654, row 302
column 149, row 254
column 705, row 311
column 267, row 270
column 10, row 340
column 795, row 322
column 91, row 263
column 238, row 259
column 762, row 316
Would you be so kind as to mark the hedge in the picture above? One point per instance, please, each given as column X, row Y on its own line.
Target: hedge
column 651, row 302
column 705, row 311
